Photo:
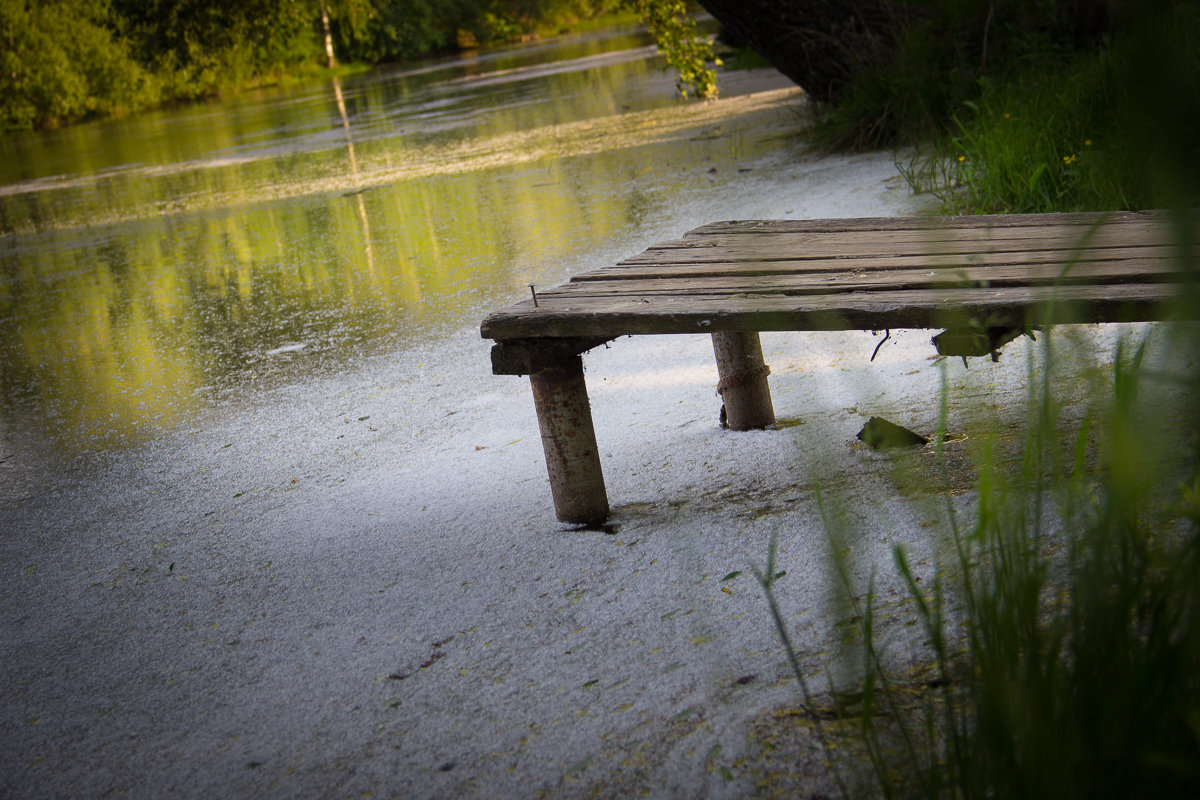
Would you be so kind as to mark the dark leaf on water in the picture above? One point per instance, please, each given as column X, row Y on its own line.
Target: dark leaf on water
column 976, row 341
column 880, row 434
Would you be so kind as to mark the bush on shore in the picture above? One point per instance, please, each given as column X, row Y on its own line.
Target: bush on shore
column 62, row 61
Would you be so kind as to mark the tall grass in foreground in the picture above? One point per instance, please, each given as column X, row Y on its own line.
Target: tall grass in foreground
column 1080, row 674
column 1062, row 626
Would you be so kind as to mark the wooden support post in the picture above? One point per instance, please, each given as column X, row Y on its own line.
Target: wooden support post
column 569, row 440
column 743, row 380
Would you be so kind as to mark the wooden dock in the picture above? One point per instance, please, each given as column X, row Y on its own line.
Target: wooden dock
column 975, row 275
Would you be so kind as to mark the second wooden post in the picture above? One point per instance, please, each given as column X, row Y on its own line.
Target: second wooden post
column 743, row 380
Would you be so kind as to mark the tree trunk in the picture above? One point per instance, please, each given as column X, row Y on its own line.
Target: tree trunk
column 819, row 44
column 329, row 58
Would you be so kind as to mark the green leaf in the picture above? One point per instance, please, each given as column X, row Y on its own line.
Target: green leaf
column 1036, row 177
column 579, row 767
column 682, row 715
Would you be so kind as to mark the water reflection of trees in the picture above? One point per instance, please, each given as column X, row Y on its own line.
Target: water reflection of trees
column 117, row 335
column 120, row 328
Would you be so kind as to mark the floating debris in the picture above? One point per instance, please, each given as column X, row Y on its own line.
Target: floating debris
column 880, row 434
column 976, row 341
column 287, row 348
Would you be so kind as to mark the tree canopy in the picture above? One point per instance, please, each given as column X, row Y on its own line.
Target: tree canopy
column 65, row 60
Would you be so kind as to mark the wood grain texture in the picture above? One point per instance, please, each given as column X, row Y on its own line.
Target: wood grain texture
column 631, row 269
column 870, row 274
column 925, row 223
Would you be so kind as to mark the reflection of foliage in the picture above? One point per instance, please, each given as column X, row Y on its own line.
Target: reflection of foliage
column 122, row 307
column 128, row 298
column 687, row 52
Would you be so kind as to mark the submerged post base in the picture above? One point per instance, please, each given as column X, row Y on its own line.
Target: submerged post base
column 743, row 380
column 569, row 440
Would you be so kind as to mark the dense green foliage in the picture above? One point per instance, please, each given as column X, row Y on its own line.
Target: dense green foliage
column 65, row 60
column 688, row 53
column 1040, row 105
column 945, row 50
column 198, row 47
column 61, row 60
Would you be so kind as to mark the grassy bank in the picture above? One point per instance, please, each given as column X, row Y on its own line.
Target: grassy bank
column 1035, row 107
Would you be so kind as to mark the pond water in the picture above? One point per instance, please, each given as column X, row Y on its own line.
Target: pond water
column 161, row 267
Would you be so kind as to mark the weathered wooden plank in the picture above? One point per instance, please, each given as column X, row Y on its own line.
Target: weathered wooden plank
column 799, row 245
column 799, row 275
column 1147, row 230
column 1036, row 265
column 1094, row 273
column 773, row 248
column 925, row 308
column 920, row 223
column 700, row 303
column 1134, row 263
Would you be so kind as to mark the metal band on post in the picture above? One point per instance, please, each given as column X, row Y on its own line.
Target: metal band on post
column 569, row 441
column 743, row 380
